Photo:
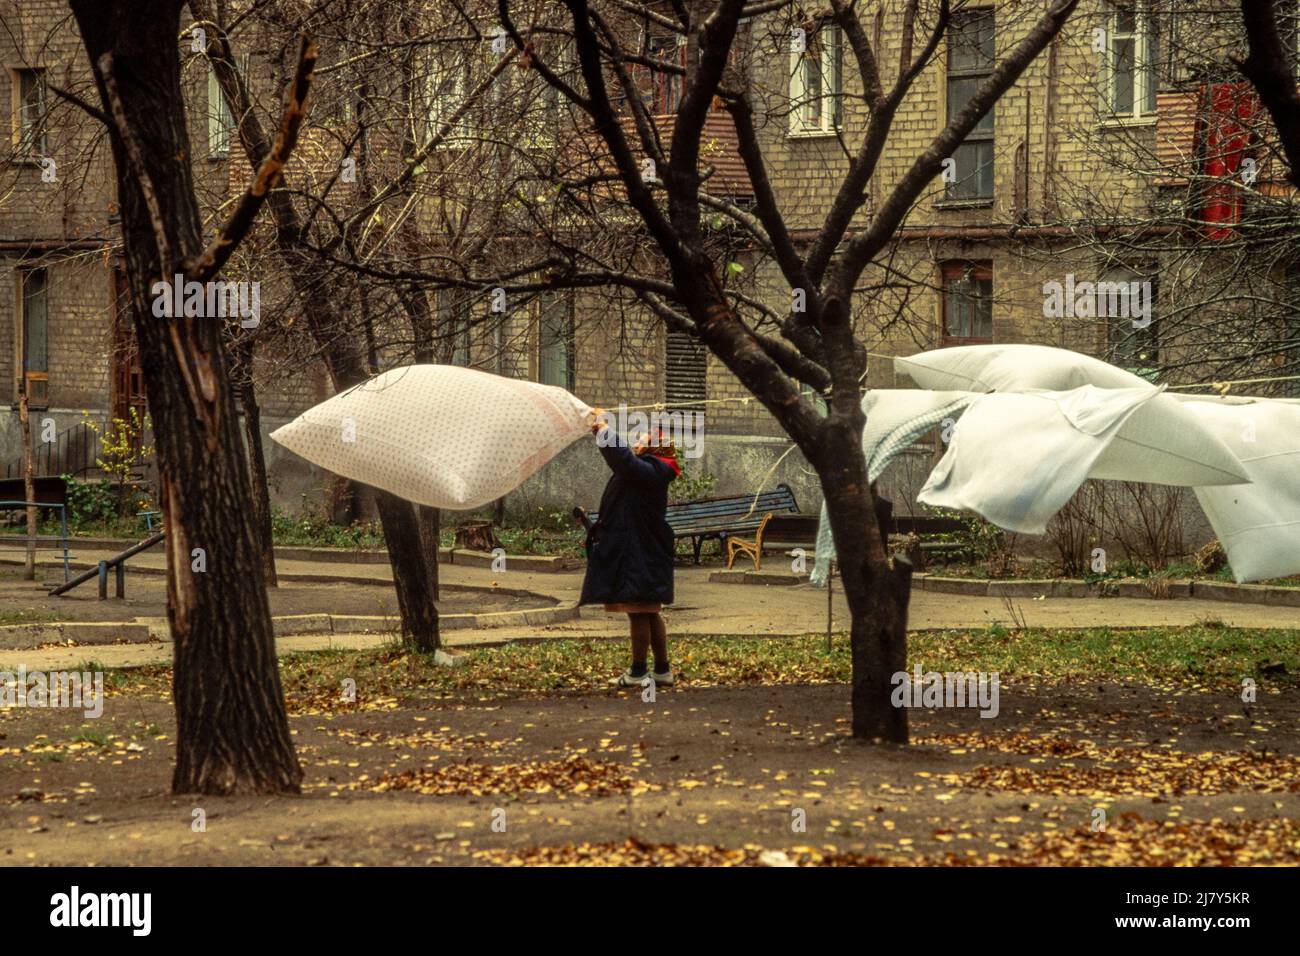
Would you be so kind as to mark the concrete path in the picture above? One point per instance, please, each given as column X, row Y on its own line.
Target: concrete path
column 702, row 607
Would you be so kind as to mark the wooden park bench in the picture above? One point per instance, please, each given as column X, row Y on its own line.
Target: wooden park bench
column 784, row 532
column 51, row 493
column 932, row 532
column 720, row 518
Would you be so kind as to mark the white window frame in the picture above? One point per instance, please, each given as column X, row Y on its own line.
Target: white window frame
column 565, row 300
column 30, row 135
column 804, row 109
column 221, row 120
column 1144, row 64
column 446, row 88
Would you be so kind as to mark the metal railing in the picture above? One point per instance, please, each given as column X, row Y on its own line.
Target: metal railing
column 24, row 539
column 117, row 562
column 73, row 452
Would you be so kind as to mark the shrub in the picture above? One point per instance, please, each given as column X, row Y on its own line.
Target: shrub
column 90, row 502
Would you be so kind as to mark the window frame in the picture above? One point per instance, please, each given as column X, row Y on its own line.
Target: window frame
column 23, row 377
column 29, row 150
column 1151, row 334
column 830, row 60
column 219, row 112
column 976, row 137
column 454, row 319
column 440, row 103
column 567, row 338
column 1146, row 63
column 979, row 270
column 664, row 96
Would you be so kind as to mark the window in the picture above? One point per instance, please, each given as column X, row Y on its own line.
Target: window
column 1129, row 70
column 967, row 303
column 453, row 326
column 555, row 339
column 1131, row 341
column 551, row 110
column 30, row 136
column 816, row 83
column 970, row 61
column 447, row 86
column 686, row 371
column 221, row 122
column 33, row 296
column 664, row 93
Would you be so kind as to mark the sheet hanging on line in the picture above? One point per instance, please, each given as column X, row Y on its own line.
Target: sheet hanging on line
column 1012, row 368
column 896, row 417
column 1017, row 458
column 438, row 435
column 1258, row 524
column 1020, row 444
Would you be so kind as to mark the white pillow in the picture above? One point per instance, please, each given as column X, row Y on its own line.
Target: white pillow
column 438, row 435
column 1012, row 368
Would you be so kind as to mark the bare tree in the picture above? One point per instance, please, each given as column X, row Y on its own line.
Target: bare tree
column 322, row 293
column 232, row 731
column 813, row 344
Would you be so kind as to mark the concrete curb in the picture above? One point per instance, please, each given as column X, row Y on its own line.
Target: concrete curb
column 783, row 578
column 1167, row 588
column 27, row 636
column 539, row 563
column 294, row 577
column 23, row 636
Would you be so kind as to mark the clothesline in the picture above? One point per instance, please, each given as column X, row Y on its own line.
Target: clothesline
column 1218, row 386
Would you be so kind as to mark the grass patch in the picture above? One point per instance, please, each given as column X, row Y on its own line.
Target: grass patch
column 26, row 616
column 1199, row 657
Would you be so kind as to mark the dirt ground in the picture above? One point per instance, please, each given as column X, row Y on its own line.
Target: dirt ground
column 146, row 597
column 1071, row 773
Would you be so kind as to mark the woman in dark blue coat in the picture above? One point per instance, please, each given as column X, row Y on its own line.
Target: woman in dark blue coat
column 630, row 548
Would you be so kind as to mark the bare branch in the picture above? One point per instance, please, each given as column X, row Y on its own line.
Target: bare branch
column 270, row 172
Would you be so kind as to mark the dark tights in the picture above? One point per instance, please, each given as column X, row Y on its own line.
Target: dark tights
column 648, row 633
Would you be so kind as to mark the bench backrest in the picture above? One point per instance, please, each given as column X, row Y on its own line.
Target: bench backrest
column 791, row 529
column 50, row 490
column 728, row 509
column 926, row 525
column 780, row 500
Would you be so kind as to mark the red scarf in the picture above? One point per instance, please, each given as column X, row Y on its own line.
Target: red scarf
column 671, row 462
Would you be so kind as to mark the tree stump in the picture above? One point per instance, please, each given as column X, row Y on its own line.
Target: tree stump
column 476, row 535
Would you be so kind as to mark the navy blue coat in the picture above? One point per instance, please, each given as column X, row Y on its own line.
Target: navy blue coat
column 630, row 549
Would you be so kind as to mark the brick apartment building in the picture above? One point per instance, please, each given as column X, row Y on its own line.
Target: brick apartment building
column 1108, row 130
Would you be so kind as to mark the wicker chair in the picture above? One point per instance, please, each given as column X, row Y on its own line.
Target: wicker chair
column 753, row 549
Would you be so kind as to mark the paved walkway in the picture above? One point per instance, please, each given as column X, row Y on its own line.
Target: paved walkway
column 702, row 607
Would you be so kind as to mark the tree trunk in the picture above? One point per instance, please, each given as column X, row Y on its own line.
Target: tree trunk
column 232, row 731
column 406, row 553
column 29, row 482
column 878, row 596
column 261, row 501
column 430, row 537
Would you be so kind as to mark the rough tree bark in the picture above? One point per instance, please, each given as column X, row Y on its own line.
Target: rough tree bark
column 232, row 732
column 1270, row 67
column 246, row 390
column 29, row 482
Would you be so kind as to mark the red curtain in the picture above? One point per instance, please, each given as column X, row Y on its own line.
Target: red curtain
column 1227, row 110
